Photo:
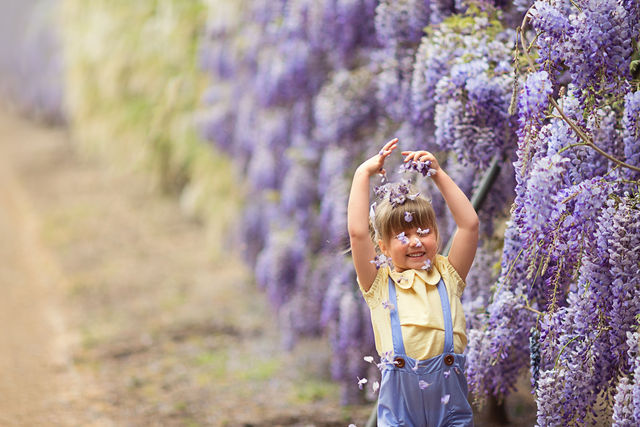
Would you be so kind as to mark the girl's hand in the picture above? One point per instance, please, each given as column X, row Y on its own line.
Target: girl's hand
column 376, row 163
column 421, row 156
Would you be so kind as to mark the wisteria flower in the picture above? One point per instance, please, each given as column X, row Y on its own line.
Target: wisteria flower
column 396, row 193
column 361, row 382
column 388, row 305
column 424, row 168
column 422, row 232
column 408, row 216
column 403, row 238
column 423, row 384
column 445, row 399
column 413, row 197
column 385, row 359
column 380, row 261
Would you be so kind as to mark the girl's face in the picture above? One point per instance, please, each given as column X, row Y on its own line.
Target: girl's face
column 410, row 250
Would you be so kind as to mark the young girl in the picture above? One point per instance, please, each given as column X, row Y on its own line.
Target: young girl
column 416, row 313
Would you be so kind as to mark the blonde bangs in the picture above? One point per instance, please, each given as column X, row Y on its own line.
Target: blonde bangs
column 390, row 221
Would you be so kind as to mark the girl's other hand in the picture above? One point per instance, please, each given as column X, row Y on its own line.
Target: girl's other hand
column 376, row 163
column 421, row 156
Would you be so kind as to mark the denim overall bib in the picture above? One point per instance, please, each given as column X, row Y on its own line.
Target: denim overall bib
column 443, row 402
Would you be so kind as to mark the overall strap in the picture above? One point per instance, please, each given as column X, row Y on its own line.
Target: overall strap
column 446, row 314
column 396, row 331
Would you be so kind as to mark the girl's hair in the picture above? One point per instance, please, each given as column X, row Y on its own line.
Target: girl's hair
column 389, row 220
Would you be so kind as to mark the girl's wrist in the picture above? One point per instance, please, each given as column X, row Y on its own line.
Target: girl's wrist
column 362, row 170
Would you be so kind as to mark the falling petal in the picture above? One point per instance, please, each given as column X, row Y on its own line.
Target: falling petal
column 361, row 382
column 403, row 238
column 422, row 232
column 415, row 367
column 427, row 265
column 413, row 196
column 380, row 261
column 445, row 399
column 446, row 373
column 388, row 305
column 375, row 386
column 423, row 384
column 408, row 216
column 418, row 243
column 368, row 359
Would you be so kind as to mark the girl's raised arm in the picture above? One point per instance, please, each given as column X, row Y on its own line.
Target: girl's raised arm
column 362, row 248
column 465, row 239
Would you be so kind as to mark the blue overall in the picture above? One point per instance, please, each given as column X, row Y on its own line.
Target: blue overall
column 405, row 398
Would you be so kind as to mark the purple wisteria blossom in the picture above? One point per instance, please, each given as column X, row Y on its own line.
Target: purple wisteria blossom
column 401, row 21
column 381, row 261
column 423, row 168
column 626, row 407
column 388, row 305
column 396, row 193
column 592, row 329
column 555, row 31
column 403, row 238
column 600, row 49
column 423, row 384
column 534, row 98
column 631, row 132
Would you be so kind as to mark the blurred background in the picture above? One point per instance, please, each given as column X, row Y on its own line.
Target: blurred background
column 174, row 184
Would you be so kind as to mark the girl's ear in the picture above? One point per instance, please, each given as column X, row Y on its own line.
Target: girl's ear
column 382, row 246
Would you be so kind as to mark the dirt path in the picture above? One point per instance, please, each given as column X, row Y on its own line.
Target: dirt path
column 119, row 310
column 38, row 384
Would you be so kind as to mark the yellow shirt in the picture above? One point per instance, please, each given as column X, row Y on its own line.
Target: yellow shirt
column 419, row 309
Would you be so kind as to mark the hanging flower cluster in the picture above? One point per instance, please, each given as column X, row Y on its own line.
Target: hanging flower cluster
column 301, row 88
column 568, row 294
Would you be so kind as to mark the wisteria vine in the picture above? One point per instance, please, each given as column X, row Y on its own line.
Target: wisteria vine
column 300, row 90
